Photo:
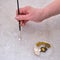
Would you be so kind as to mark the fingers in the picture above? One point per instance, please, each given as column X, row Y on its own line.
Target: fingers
column 22, row 23
column 24, row 10
column 22, row 17
column 21, row 11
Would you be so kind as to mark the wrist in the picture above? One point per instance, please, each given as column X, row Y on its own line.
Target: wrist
column 46, row 13
column 43, row 14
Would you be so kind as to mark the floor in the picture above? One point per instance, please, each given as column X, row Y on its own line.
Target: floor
column 11, row 48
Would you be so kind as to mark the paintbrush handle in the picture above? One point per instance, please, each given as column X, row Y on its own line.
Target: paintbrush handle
column 18, row 14
column 19, row 26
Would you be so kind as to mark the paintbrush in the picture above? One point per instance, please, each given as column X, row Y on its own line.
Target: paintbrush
column 18, row 14
column 20, row 37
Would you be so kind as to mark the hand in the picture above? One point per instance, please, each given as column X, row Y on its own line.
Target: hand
column 29, row 14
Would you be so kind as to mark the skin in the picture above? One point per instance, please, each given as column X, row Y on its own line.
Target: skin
column 38, row 14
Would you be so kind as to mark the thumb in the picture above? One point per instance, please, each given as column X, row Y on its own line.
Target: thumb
column 22, row 17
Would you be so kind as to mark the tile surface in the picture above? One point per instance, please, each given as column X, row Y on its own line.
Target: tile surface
column 13, row 49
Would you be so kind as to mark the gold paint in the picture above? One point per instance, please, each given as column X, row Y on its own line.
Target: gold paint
column 43, row 43
column 43, row 49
